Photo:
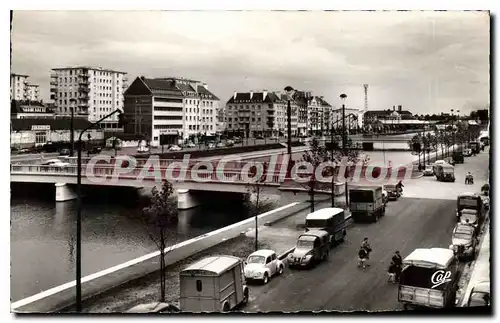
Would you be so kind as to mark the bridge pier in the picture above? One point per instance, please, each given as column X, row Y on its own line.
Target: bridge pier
column 64, row 192
column 186, row 199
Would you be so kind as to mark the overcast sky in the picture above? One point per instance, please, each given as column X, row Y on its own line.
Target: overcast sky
column 428, row 62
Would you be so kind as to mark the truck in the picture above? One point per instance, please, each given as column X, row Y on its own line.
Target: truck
column 445, row 173
column 475, row 146
column 366, row 203
column 213, row 284
column 331, row 220
column 470, row 206
column 429, row 279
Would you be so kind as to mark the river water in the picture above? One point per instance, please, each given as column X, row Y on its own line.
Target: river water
column 43, row 234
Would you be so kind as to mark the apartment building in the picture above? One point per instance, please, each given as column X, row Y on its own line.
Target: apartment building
column 301, row 98
column 319, row 117
column 257, row 113
column 22, row 90
column 170, row 110
column 92, row 93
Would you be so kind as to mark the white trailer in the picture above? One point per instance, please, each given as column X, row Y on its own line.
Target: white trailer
column 213, row 284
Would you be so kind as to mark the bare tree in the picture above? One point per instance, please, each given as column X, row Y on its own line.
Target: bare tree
column 320, row 154
column 261, row 204
column 157, row 217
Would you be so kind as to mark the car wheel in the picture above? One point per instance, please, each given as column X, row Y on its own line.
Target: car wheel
column 265, row 280
column 280, row 270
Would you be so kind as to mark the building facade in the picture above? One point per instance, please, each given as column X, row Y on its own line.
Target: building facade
column 34, row 132
column 92, row 93
column 170, row 110
column 33, row 92
column 30, row 110
column 22, row 90
column 259, row 113
column 371, row 116
column 318, row 115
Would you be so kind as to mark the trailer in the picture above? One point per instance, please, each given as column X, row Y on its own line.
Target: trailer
column 213, row 284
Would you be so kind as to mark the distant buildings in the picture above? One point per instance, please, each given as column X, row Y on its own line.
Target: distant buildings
column 30, row 110
column 170, row 110
column 22, row 90
column 92, row 93
column 370, row 116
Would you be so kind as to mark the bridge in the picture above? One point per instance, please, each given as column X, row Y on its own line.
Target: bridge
column 186, row 179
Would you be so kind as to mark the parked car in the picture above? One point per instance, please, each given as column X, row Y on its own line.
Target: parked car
column 229, row 143
column 220, row 145
column 259, row 137
column 55, row 163
column 155, row 307
column 480, row 295
column 64, row 152
column 95, row 150
column 142, row 149
column 190, row 145
column 312, row 247
column 393, row 192
column 174, row 148
column 262, row 265
column 429, row 170
column 464, row 241
column 211, row 145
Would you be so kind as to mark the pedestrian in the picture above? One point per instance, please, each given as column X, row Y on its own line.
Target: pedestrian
column 391, row 271
column 362, row 257
column 398, row 262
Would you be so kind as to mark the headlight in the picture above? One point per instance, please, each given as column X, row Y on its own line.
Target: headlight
column 307, row 257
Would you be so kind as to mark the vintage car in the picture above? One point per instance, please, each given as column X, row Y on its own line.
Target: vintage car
column 467, row 152
column 155, row 307
column 262, row 265
column 312, row 247
column 480, row 295
column 464, row 241
column 471, row 206
column 393, row 193
column 445, row 173
column 429, row 170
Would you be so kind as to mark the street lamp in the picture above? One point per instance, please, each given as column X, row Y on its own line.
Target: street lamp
column 343, row 97
column 289, row 93
column 121, row 122
column 72, row 127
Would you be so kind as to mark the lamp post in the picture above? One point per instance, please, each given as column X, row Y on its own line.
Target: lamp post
column 289, row 93
column 343, row 97
column 72, row 127
column 79, row 208
column 453, row 132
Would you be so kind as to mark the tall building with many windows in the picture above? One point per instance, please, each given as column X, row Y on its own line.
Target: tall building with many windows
column 92, row 92
column 175, row 109
column 22, row 90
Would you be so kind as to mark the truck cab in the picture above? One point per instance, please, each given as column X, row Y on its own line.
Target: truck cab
column 470, row 206
column 213, row 284
column 331, row 220
column 445, row 173
column 429, row 279
column 366, row 203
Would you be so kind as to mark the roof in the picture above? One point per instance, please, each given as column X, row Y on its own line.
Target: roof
column 18, row 106
column 430, row 257
column 214, row 265
column 324, row 214
column 365, row 187
column 463, row 228
column 23, row 75
column 253, row 97
column 321, row 101
column 263, row 253
column 386, row 112
column 313, row 234
column 154, row 307
column 482, row 287
column 55, row 124
column 470, row 194
column 94, row 68
column 157, row 86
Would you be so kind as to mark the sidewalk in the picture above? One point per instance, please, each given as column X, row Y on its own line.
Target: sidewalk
column 478, row 271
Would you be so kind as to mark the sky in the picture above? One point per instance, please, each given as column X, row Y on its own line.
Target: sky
column 428, row 62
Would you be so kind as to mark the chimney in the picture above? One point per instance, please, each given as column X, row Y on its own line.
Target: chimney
column 205, row 85
column 264, row 94
column 400, row 108
column 143, row 77
column 393, row 108
column 251, row 94
column 234, row 96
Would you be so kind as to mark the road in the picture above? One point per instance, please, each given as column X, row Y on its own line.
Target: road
column 410, row 223
column 338, row 284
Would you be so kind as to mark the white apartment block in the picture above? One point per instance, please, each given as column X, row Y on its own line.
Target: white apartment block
column 33, row 92
column 21, row 90
column 319, row 115
column 176, row 108
column 92, row 92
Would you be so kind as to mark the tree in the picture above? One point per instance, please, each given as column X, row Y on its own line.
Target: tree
column 320, row 154
column 157, row 217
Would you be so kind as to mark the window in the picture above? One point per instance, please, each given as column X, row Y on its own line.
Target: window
column 155, row 138
column 199, row 285
column 273, row 256
column 40, row 137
